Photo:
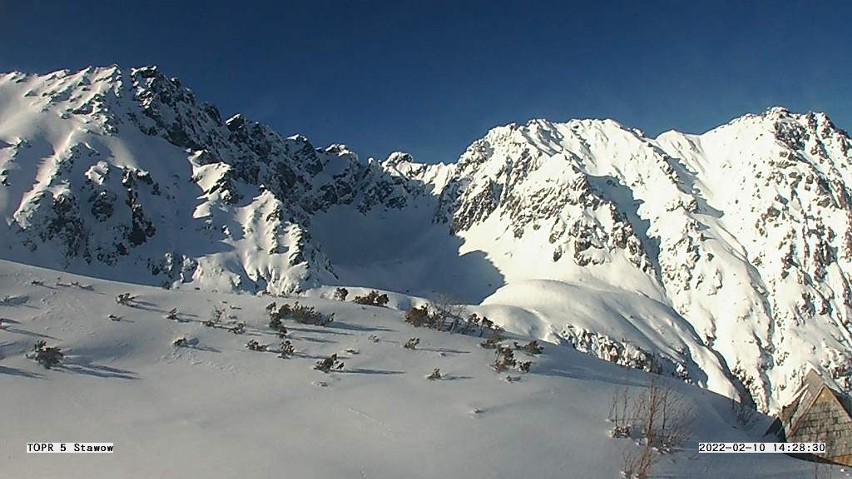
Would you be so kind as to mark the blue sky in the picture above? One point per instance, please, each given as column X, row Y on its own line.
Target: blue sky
column 431, row 76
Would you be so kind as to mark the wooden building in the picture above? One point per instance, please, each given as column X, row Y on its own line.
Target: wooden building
column 817, row 414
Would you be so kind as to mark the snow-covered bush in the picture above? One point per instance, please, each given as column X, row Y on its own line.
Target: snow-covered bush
column 411, row 343
column 436, row 374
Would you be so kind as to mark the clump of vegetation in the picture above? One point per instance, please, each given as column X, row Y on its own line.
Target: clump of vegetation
column 255, row 346
column 436, row 374
column 329, row 364
column 181, row 342
column 215, row 317
column 447, row 317
column 417, row 316
column 373, row 298
column 340, row 294
column 411, row 343
column 298, row 313
column 172, row 314
column 125, row 299
column 505, row 360
column 286, row 350
column 113, row 317
column 238, row 328
column 48, row 357
column 531, row 348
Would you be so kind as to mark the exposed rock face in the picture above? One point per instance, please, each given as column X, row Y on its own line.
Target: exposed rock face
column 742, row 235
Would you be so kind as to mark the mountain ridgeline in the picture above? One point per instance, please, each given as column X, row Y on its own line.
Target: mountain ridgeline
column 724, row 258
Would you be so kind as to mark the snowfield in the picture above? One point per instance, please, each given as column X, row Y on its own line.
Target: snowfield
column 720, row 263
column 217, row 409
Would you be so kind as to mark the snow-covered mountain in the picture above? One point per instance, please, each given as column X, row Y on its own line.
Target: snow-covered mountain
column 722, row 258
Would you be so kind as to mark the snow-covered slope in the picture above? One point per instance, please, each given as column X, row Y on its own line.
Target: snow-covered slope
column 216, row 409
column 721, row 258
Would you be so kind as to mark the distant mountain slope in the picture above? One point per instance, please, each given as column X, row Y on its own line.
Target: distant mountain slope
column 723, row 258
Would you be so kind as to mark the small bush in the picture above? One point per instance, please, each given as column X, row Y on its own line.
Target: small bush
column 340, row 294
column 297, row 312
column 504, row 360
column 286, row 350
column 215, row 317
column 255, row 346
column 373, row 298
column 48, row 357
column 125, row 299
column 238, row 328
column 180, row 342
column 530, row 348
column 329, row 364
column 436, row 374
column 411, row 343
column 417, row 316
column 172, row 314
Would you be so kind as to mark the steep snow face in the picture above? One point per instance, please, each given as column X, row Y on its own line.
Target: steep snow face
column 744, row 232
column 777, row 190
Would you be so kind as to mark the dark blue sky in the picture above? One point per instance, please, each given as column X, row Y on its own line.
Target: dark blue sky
column 430, row 76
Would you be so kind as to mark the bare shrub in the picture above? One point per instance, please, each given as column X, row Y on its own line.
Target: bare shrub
column 664, row 417
column 340, row 294
column 660, row 418
column 637, row 462
column 447, row 314
column 621, row 414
